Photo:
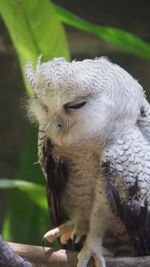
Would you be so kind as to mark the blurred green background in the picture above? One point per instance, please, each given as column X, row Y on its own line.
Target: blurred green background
column 76, row 29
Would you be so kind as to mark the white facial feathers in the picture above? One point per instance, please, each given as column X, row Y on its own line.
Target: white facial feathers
column 112, row 95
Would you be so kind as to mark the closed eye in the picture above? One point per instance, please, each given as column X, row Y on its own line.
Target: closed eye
column 74, row 106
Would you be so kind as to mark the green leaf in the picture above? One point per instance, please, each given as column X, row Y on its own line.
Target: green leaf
column 30, row 188
column 35, row 29
column 28, row 217
column 20, row 184
column 119, row 38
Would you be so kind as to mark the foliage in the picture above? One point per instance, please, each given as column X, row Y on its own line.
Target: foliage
column 32, row 189
column 35, row 28
column 119, row 38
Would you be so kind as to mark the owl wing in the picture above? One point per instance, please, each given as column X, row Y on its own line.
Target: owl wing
column 126, row 168
column 56, row 174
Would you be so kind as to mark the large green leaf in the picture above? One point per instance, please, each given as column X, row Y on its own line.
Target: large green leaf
column 35, row 29
column 32, row 189
column 27, row 219
column 119, row 38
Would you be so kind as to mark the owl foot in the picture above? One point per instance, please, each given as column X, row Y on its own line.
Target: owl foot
column 99, row 262
column 80, row 229
column 64, row 231
column 87, row 252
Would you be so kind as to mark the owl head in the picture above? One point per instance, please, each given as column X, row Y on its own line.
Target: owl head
column 83, row 100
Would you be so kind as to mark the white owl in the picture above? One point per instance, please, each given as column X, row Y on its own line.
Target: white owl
column 94, row 149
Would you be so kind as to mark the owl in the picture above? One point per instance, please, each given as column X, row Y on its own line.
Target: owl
column 94, row 150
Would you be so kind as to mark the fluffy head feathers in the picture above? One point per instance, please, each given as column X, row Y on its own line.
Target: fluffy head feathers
column 112, row 97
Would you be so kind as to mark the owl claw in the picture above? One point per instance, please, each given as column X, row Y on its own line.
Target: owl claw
column 86, row 253
column 43, row 244
column 73, row 241
column 52, row 235
column 65, row 238
column 80, row 230
column 69, row 230
column 64, row 231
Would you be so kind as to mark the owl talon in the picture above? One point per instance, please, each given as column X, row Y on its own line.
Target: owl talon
column 80, row 230
column 52, row 235
column 64, row 231
column 65, row 238
column 86, row 253
column 73, row 241
column 43, row 244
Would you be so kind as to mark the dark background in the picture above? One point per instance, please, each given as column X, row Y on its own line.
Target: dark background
column 130, row 15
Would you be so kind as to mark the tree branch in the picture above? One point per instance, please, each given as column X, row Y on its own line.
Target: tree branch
column 63, row 258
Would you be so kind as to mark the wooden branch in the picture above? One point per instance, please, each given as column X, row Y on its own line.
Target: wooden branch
column 57, row 258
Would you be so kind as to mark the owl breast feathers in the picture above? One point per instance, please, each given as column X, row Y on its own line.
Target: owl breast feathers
column 94, row 150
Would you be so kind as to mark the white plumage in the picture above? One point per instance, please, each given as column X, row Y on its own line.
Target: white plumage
column 94, row 149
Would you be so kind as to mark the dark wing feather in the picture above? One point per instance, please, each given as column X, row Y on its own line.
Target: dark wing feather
column 135, row 217
column 57, row 174
column 111, row 189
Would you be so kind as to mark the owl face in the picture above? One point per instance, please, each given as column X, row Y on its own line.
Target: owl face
column 83, row 100
column 73, row 120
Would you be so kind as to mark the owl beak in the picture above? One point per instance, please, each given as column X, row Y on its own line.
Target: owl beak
column 58, row 126
column 57, row 130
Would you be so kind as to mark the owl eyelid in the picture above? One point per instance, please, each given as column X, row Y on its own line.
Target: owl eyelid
column 74, row 106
